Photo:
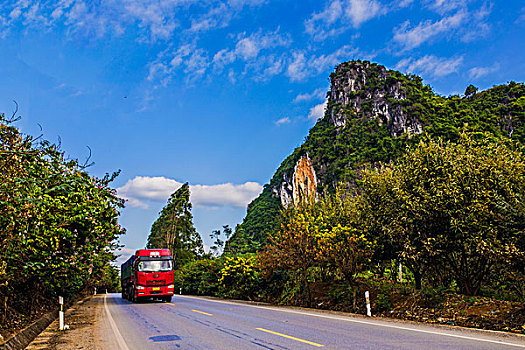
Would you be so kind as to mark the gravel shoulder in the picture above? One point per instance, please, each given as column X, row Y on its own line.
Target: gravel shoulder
column 85, row 320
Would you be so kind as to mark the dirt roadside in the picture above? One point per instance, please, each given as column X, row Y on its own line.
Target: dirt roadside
column 86, row 323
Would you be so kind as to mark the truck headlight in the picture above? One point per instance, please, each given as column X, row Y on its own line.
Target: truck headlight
column 140, row 287
column 171, row 286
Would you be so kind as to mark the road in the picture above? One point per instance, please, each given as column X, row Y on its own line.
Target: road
column 198, row 323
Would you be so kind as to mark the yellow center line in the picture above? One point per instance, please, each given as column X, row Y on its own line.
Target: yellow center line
column 202, row 312
column 290, row 337
column 170, row 304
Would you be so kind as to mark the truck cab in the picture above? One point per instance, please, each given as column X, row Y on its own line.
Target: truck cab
column 149, row 274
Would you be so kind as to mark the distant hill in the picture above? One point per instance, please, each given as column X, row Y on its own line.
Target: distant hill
column 372, row 115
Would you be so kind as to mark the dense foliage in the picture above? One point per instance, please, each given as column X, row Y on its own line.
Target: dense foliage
column 235, row 277
column 174, row 228
column 453, row 212
column 58, row 224
column 338, row 153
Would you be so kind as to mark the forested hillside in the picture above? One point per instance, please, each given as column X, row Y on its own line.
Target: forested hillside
column 372, row 115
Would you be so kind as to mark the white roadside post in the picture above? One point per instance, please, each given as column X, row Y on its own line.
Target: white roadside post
column 95, row 290
column 368, row 310
column 180, row 290
column 400, row 274
column 61, row 313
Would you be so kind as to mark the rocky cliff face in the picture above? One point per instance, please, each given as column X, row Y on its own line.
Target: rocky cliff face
column 360, row 88
column 372, row 115
column 357, row 90
column 303, row 184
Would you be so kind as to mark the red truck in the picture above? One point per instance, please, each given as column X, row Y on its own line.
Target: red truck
column 148, row 275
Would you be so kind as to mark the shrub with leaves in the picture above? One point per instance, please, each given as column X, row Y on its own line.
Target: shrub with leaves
column 240, row 277
column 454, row 208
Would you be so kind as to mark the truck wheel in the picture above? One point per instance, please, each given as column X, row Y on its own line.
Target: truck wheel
column 167, row 299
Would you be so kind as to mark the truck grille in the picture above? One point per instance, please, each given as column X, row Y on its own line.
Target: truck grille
column 155, row 282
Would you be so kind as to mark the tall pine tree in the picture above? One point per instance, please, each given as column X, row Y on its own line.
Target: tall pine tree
column 174, row 228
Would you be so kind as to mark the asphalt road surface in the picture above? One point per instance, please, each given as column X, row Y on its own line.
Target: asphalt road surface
column 199, row 323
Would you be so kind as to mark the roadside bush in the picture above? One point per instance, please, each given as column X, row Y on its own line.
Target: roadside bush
column 240, row 277
column 200, row 277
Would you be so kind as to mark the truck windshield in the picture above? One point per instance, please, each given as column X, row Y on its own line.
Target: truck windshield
column 155, row 265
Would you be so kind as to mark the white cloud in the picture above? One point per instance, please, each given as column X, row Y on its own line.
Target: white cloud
column 444, row 6
column 154, row 19
column 145, row 188
column 521, row 17
column 192, row 61
column 282, row 121
column 318, row 94
column 478, row 25
column 218, row 16
column 410, row 38
column 225, row 194
column 430, row 65
column 317, row 112
column 123, row 255
column 361, row 11
column 248, row 48
column 302, row 67
column 478, row 72
column 458, row 22
column 340, row 15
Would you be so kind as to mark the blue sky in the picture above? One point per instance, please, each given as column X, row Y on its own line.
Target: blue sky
column 218, row 93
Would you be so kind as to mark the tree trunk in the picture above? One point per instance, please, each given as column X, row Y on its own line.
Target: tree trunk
column 354, row 297
column 307, row 287
column 4, row 315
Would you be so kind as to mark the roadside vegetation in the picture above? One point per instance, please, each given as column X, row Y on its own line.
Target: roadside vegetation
column 58, row 227
column 452, row 214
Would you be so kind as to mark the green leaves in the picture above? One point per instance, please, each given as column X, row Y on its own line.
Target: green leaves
column 57, row 223
column 174, row 228
column 452, row 208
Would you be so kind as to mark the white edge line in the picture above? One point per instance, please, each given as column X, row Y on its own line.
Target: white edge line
column 120, row 340
column 348, row 319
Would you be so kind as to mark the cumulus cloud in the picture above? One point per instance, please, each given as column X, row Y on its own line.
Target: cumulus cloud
column 430, row 65
column 340, row 15
column 145, row 188
column 317, row 112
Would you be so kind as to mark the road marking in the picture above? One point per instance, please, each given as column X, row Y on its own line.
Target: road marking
column 348, row 319
column 290, row 337
column 121, row 342
column 170, row 304
column 202, row 312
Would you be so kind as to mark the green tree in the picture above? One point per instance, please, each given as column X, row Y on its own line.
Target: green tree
column 458, row 207
column 295, row 246
column 470, row 90
column 174, row 228
column 345, row 245
column 58, row 224
column 219, row 239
